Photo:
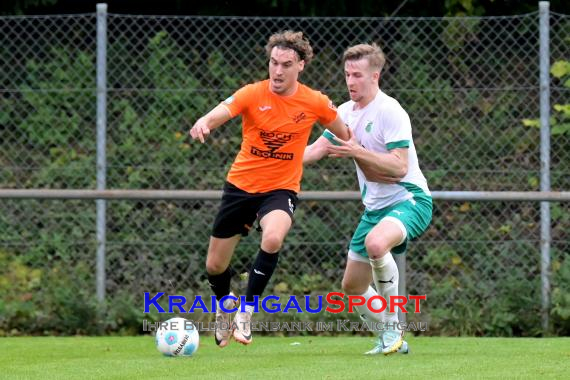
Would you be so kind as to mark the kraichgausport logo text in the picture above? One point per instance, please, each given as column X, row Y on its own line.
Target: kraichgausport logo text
column 336, row 302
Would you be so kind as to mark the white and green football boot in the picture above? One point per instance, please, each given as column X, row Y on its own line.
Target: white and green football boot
column 384, row 348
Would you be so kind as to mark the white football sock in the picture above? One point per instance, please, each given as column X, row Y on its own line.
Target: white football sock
column 386, row 276
column 249, row 309
column 374, row 318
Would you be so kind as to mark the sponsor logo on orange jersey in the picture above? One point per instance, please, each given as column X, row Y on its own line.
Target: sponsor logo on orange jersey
column 273, row 141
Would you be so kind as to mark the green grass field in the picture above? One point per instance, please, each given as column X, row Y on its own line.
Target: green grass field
column 278, row 358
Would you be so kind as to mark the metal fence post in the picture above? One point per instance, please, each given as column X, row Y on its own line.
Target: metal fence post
column 101, row 143
column 545, row 160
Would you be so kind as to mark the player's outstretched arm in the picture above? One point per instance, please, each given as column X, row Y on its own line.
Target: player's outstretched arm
column 316, row 150
column 213, row 119
column 339, row 129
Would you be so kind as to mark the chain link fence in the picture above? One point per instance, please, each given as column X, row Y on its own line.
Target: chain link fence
column 467, row 83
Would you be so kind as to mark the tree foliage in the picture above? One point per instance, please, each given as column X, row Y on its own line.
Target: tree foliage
column 369, row 8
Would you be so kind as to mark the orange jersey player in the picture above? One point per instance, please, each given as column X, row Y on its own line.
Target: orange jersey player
column 263, row 182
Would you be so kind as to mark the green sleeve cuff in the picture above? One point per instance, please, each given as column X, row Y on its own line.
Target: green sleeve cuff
column 398, row 144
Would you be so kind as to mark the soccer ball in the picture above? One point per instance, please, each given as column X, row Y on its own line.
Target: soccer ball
column 177, row 337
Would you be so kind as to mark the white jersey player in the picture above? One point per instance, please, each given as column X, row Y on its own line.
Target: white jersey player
column 397, row 200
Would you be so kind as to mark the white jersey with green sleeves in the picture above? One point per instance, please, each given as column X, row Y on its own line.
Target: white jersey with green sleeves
column 381, row 126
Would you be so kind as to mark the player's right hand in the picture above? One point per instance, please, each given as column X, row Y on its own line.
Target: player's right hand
column 200, row 130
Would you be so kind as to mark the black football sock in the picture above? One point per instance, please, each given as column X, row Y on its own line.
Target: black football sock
column 260, row 273
column 220, row 283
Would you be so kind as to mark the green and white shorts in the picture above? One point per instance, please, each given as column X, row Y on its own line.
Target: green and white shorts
column 413, row 216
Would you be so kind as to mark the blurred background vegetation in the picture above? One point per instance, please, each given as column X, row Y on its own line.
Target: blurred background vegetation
column 304, row 8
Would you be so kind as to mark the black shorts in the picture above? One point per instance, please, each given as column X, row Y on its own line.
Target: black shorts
column 240, row 209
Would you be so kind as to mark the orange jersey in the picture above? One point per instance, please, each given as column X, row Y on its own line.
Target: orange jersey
column 275, row 132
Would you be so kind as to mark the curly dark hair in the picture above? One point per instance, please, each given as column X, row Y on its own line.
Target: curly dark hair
column 291, row 40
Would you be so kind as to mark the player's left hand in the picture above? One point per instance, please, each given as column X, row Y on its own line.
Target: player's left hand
column 346, row 148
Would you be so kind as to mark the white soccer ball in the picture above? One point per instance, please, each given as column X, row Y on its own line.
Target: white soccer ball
column 177, row 337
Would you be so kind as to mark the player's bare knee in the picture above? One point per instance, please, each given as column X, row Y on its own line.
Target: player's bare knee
column 376, row 247
column 351, row 288
column 214, row 268
column 346, row 285
column 271, row 242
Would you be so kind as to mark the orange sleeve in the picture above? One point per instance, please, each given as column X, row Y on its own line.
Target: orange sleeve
column 239, row 101
column 325, row 109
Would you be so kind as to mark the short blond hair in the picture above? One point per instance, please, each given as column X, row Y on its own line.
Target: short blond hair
column 371, row 52
column 291, row 40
